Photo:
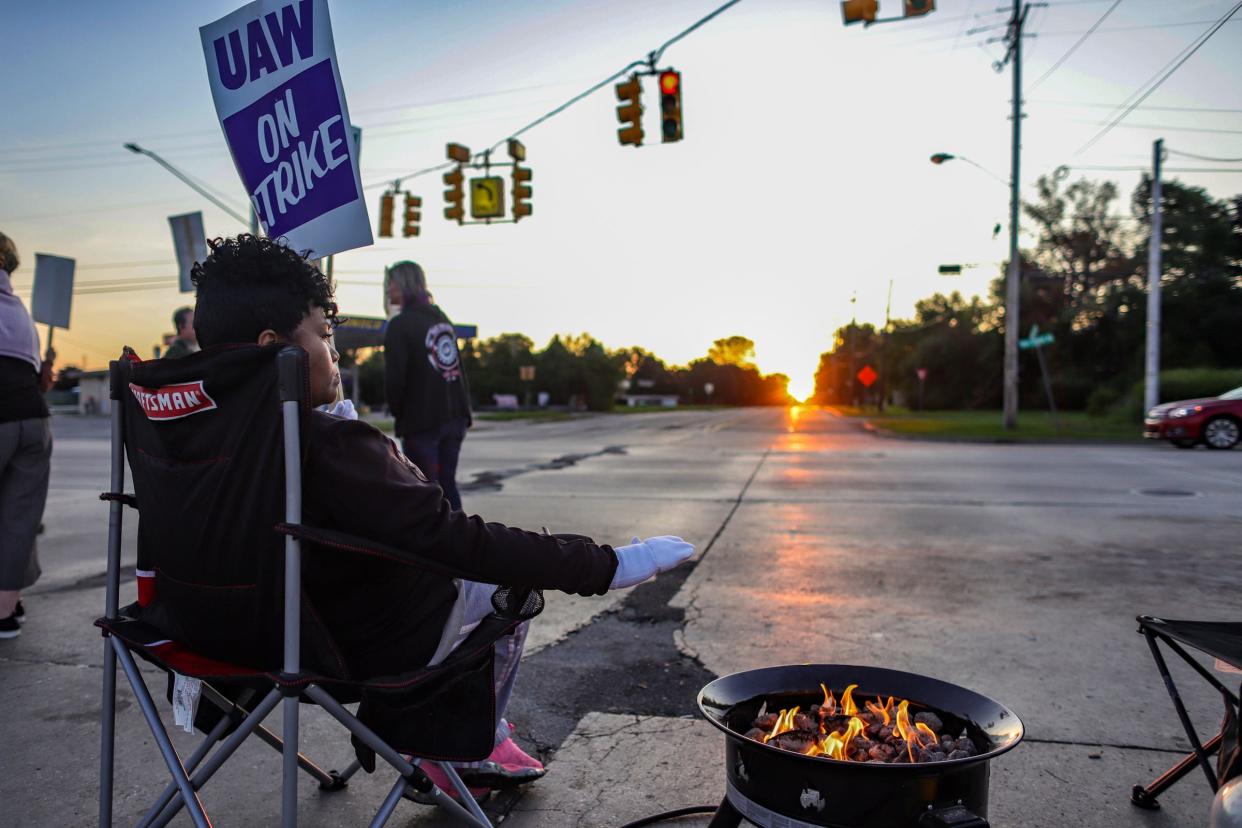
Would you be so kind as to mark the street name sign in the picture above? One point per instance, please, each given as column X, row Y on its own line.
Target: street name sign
column 277, row 90
column 1035, row 339
column 487, row 197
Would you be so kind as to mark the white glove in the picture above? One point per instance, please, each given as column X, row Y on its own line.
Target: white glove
column 646, row 558
column 343, row 409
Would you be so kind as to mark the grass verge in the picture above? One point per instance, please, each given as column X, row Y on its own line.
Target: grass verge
column 987, row 425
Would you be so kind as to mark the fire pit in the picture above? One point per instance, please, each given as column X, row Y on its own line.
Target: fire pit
column 824, row 769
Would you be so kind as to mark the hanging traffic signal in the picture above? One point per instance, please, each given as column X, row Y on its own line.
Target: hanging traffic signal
column 630, row 113
column 860, row 11
column 917, row 8
column 413, row 212
column 454, row 195
column 521, row 192
column 670, row 106
column 385, row 216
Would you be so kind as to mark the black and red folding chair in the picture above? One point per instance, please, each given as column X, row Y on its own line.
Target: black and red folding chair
column 1222, row 641
column 214, row 443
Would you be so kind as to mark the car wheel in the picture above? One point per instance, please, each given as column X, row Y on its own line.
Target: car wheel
column 1221, row 433
column 1184, row 444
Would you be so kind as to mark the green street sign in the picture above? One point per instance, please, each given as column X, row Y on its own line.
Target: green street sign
column 1035, row 339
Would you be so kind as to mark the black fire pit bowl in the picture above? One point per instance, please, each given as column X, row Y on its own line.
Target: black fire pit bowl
column 771, row 787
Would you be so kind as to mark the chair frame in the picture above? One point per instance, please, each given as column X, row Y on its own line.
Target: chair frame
column 191, row 773
column 1145, row 796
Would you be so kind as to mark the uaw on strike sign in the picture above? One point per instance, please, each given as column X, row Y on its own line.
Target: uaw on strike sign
column 277, row 90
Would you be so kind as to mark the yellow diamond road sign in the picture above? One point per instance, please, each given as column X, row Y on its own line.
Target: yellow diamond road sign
column 487, row 197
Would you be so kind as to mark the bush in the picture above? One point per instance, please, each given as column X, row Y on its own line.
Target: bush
column 1103, row 401
column 1186, row 384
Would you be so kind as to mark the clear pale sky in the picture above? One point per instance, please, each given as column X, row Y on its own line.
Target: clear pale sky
column 803, row 177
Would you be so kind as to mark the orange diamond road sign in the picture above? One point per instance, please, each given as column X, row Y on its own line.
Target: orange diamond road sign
column 867, row 376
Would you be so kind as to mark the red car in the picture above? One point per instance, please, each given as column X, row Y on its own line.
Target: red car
column 1214, row 421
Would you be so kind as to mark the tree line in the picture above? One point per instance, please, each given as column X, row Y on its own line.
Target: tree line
column 580, row 372
column 1085, row 281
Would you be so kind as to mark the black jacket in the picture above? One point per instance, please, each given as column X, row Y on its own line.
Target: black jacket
column 423, row 374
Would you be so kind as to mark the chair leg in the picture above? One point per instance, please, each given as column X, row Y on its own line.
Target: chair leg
column 188, row 794
column 324, row 778
column 1145, row 796
column 1181, row 711
column 216, row 734
column 226, row 749
column 390, row 804
column 471, row 805
column 289, row 778
column 107, row 737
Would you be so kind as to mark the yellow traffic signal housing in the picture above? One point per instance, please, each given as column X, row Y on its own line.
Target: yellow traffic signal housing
column 630, row 113
column 385, row 216
column 916, row 8
column 670, row 106
column 860, row 11
column 413, row 213
column 454, row 195
column 458, row 153
column 521, row 192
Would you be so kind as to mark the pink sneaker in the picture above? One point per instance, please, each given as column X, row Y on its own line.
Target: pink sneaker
column 440, row 779
column 507, row 767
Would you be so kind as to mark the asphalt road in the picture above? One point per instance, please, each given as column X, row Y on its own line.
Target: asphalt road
column 1014, row 570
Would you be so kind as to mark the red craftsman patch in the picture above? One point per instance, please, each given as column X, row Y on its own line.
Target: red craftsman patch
column 173, row 402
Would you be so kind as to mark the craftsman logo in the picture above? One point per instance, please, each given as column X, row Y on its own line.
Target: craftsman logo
column 172, row 402
column 442, row 351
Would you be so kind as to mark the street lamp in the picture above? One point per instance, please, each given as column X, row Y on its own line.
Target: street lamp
column 1011, row 284
column 253, row 222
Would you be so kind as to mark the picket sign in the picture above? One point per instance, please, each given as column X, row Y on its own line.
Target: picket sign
column 277, row 90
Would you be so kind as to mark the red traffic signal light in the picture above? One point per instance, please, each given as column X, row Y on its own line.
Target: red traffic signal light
column 859, row 11
column 670, row 106
column 630, row 113
column 385, row 216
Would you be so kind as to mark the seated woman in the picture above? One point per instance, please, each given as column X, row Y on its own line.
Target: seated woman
column 388, row 617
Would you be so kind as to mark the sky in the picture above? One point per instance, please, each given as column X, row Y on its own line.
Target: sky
column 803, row 181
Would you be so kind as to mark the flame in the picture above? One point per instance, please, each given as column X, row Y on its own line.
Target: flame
column 836, row 745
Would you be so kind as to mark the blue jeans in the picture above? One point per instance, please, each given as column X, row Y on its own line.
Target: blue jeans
column 435, row 451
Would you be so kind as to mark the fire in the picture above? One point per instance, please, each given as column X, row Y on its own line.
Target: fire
column 872, row 722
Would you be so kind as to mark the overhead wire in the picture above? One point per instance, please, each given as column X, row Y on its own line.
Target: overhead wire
column 1204, row 157
column 1077, row 44
column 1178, row 62
column 652, row 58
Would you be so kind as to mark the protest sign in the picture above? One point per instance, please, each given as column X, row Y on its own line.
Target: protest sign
column 189, row 244
column 52, row 297
column 277, row 90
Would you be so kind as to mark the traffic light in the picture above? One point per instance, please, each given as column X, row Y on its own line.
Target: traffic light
column 413, row 212
column 860, row 11
column 385, row 216
column 670, row 106
column 521, row 192
column 454, row 196
column 917, row 8
column 630, row 113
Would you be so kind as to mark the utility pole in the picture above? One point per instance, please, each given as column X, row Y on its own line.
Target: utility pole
column 1151, row 387
column 888, row 321
column 853, row 364
column 1017, row 22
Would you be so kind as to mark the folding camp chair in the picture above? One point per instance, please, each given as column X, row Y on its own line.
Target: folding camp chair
column 1222, row 641
column 240, row 697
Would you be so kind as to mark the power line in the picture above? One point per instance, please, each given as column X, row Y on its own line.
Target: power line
column 1205, row 157
column 1076, row 45
column 652, row 58
column 1107, row 168
column 1114, row 106
column 1169, row 128
column 1187, row 54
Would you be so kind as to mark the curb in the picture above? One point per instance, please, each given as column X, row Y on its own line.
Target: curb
column 888, row 434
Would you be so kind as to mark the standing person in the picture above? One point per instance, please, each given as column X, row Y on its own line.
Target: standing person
column 25, row 445
column 186, row 341
column 423, row 378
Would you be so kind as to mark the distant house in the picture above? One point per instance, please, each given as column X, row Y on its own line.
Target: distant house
column 651, row 400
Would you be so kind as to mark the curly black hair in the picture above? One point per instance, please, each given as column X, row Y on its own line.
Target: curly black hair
column 248, row 284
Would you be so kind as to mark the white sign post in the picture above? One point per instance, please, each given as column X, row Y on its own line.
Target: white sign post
column 52, row 297
column 189, row 244
column 277, row 90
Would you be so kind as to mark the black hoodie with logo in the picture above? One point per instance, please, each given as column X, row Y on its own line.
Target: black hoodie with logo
column 423, row 374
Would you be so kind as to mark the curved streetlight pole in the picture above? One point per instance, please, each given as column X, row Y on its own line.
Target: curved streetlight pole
column 941, row 157
column 253, row 222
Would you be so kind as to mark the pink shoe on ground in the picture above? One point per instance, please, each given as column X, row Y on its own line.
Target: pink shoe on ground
column 440, row 779
column 507, row 767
